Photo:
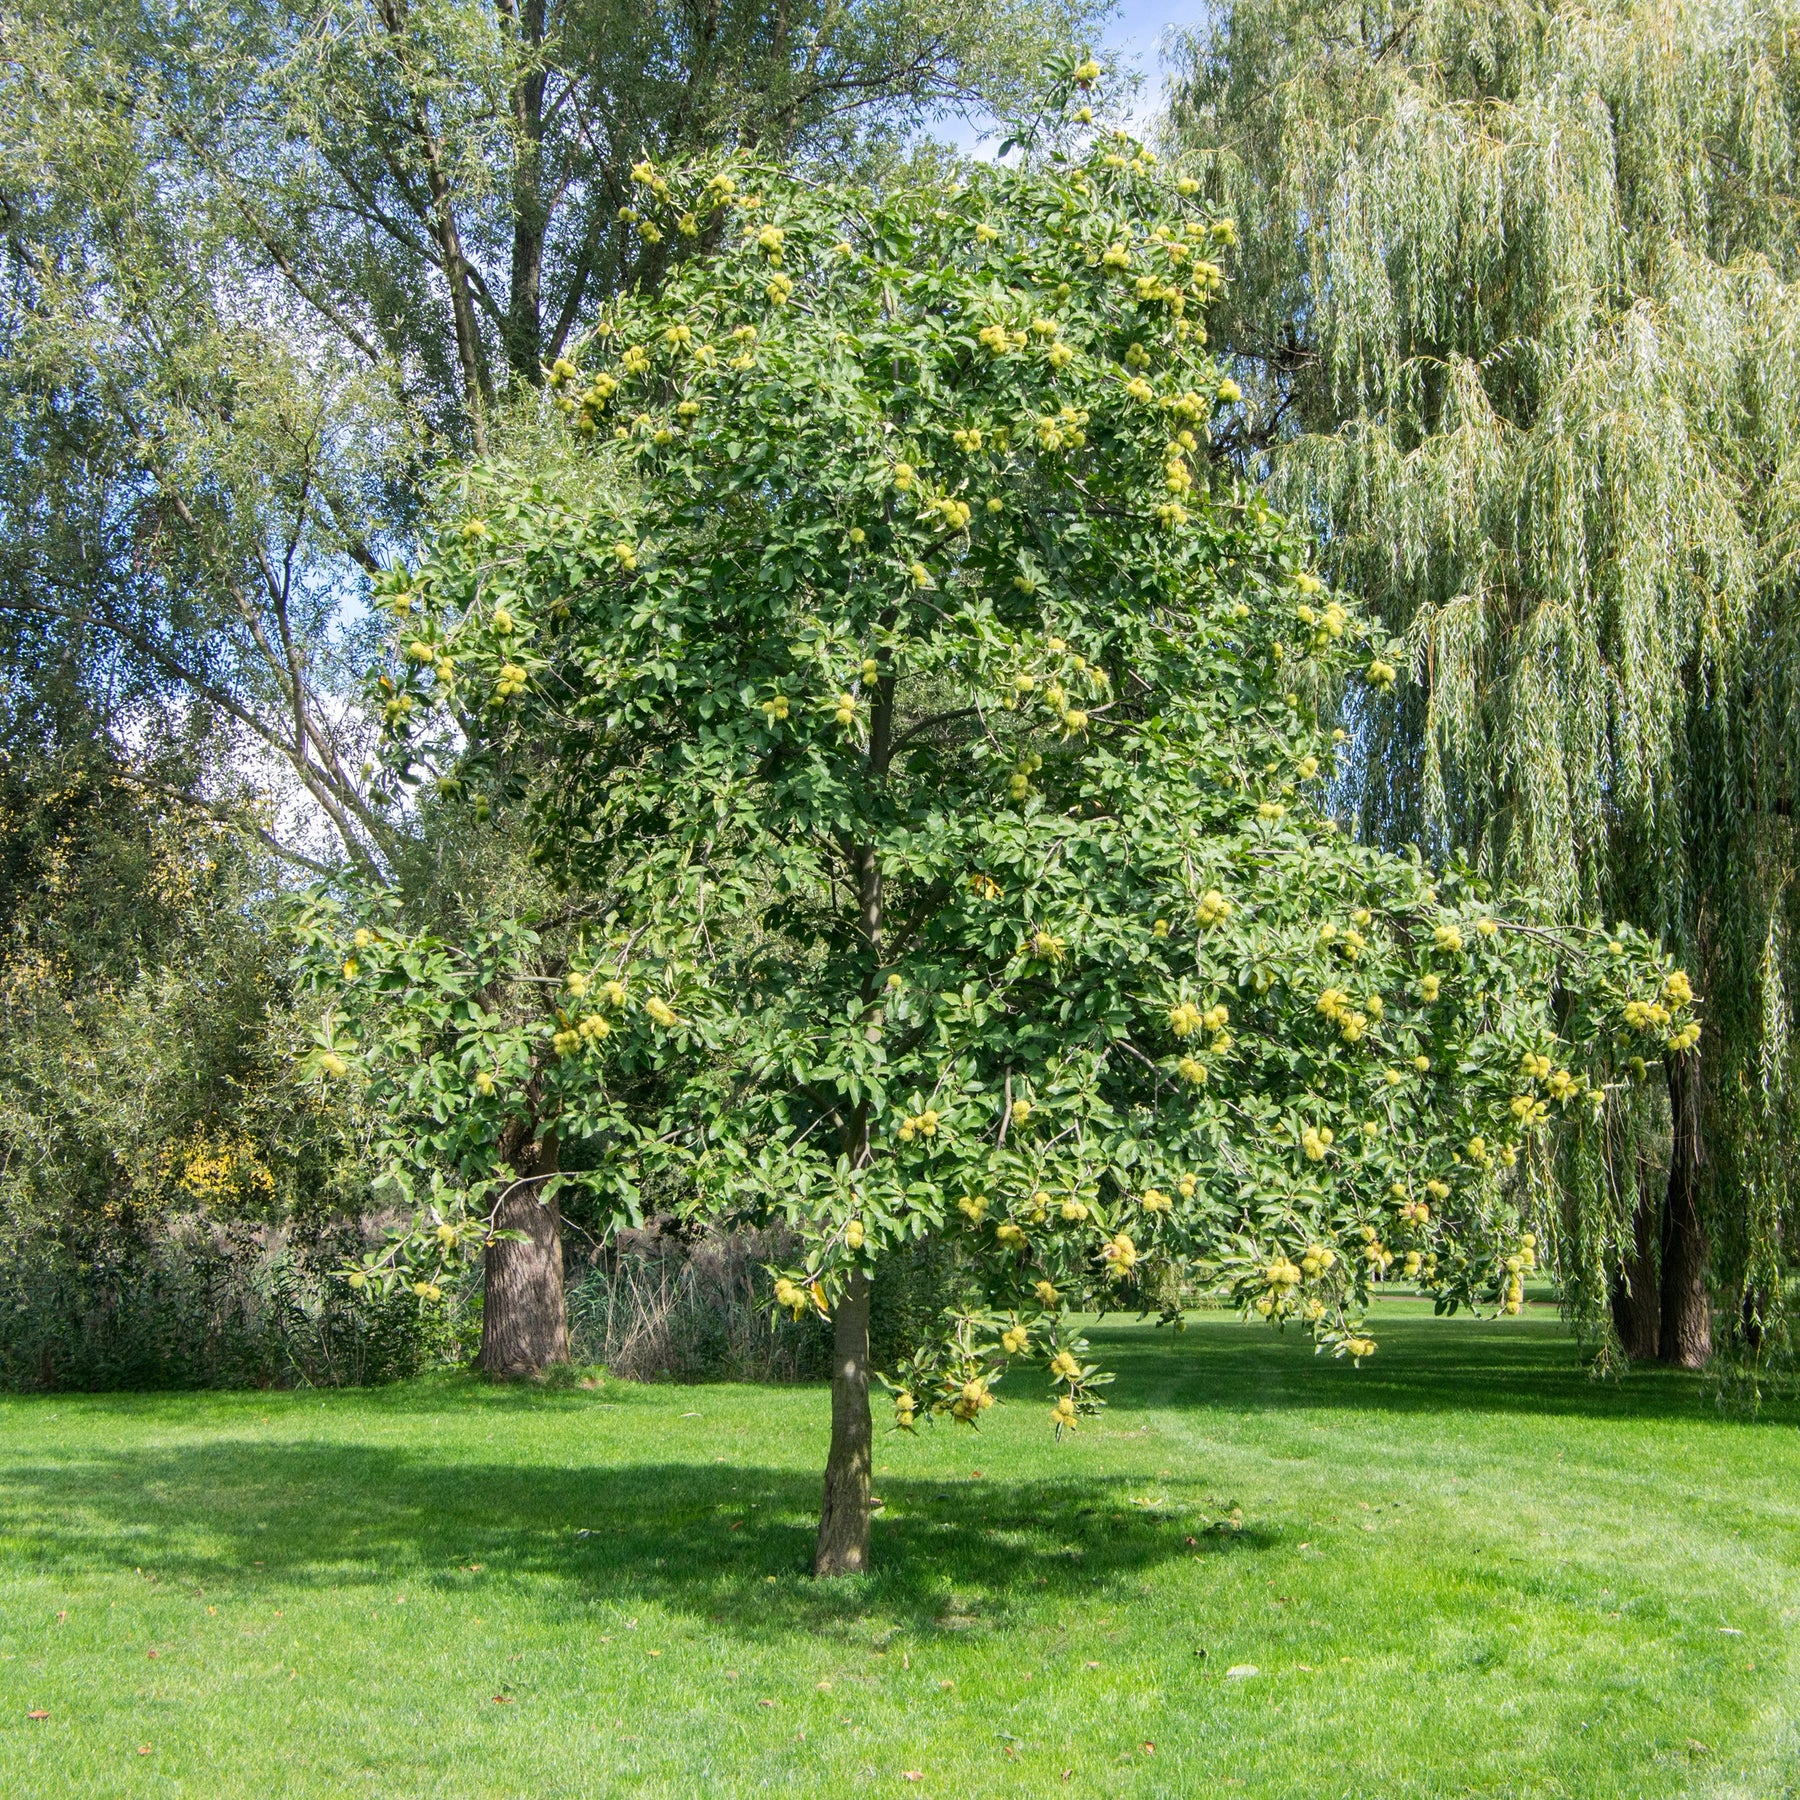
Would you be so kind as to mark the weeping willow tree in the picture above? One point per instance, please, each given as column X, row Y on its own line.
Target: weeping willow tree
column 1518, row 325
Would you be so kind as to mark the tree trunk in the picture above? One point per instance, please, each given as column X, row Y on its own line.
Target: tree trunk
column 1752, row 1313
column 1686, row 1334
column 524, row 1324
column 524, row 304
column 843, row 1547
column 478, row 388
column 1636, row 1295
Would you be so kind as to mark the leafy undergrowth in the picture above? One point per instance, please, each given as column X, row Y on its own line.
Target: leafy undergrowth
column 1463, row 1569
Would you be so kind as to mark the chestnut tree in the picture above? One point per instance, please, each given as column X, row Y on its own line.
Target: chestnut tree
column 944, row 745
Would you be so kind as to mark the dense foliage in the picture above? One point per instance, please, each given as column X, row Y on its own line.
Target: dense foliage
column 146, row 1066
column 174, row 1203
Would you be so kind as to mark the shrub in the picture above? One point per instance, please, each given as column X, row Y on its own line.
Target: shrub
column 196, row 1306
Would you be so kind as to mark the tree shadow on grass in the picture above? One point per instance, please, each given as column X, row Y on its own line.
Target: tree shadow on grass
column 1424, row 1365
column 729, row 1543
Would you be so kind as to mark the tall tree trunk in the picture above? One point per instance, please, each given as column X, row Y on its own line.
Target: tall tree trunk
column 1686, row 1335
column 1636, row 1295
column 843, row 1547
column 524, row 1323
column 478, row 389
column 524, row 305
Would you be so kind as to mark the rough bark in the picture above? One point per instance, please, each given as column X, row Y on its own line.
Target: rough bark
column 843, row 1547
column 524, row 1323
column 1686, row 1332
column 524, row 307
column 1637, row 1294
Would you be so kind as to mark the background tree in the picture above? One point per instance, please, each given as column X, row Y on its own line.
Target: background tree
column 1516, row 318
column 266, row 264
column 487, row 1126
column 951, row 761
column 147, row 1072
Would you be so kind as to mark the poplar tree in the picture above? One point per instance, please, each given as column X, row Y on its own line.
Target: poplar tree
column 265, row 264
column 1518, row 327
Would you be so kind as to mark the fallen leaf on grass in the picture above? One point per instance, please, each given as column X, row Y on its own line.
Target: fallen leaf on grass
column 765, row 1703
column 503, row 1699
column 912, row 1774
column 37, row 1713
column 143, row 1749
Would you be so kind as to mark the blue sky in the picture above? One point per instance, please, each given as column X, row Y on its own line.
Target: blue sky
column 1136, row 29
column 1132, row 41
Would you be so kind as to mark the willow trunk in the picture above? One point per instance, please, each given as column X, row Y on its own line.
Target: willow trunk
column 1686, row 1335
column 524, row 1321
column 1637, row 1293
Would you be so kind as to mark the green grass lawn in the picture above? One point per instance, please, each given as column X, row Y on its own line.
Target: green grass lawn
column 1464, row 1569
